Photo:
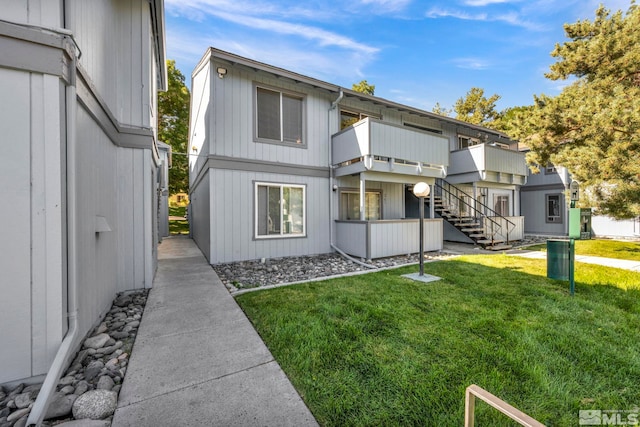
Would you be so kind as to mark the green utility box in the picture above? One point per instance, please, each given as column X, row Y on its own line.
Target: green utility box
column 580, row 223
column 558, row 259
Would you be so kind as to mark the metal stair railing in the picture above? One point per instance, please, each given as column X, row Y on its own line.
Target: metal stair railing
column 443, row 188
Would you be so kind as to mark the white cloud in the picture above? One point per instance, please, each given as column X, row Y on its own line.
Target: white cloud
column 244, row 13
column 383, row 6
column 478, row 3
column 471, row 63
column 512, row 18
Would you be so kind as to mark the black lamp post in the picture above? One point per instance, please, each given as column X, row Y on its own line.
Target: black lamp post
column 421, row 190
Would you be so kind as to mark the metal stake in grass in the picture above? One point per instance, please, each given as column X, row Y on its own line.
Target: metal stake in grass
column 421, row 190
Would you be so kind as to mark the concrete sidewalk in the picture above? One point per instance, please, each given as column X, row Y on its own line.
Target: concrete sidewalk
column 197, row 359
column 607, row 262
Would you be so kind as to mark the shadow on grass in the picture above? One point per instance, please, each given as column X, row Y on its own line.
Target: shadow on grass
column 380, row 349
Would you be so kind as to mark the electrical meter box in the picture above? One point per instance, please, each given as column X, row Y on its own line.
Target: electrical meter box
column 580, row 223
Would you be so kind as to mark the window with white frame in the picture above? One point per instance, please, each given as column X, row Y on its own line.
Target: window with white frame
column 350, row 205
column 279, row 210
column 501, row 204
column 467, row 141
column 551, row 168
column 279, row 116
column 553, row 208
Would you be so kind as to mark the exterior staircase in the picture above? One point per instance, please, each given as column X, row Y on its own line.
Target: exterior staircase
column 480, row 223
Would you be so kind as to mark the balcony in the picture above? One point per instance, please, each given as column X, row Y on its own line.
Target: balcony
column 384, row 238
column 374, row 146
column 484, row 162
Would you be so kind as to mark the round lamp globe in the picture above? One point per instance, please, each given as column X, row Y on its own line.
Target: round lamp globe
column 421, row 189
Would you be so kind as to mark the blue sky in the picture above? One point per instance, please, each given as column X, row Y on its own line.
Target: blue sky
column 414, row 52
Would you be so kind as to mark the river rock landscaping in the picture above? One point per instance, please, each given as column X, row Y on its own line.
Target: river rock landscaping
column 89, row 389
column 242, row 275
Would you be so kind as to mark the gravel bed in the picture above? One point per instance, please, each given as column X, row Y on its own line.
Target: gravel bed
column 89, row 388
column 274, row 271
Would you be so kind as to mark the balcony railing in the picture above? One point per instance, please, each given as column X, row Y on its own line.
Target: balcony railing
column 384, row 238
column 489, row 163
column 371, row 144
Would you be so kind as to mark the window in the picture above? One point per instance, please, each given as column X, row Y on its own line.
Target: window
column 347, row 118
column 467, row 141
column 278, row 116
column 551, row 168
column 423, row 128
column 350, row 205
column 553, row 210
column 280, row 210
column 501, row 205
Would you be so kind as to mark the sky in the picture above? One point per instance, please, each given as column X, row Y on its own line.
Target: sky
column 417, row 53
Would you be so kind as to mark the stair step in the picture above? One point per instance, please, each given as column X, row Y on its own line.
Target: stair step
column 466, row 219
column 487, row 242
column 481, row 236
column 499, row 247
column 472, row 230
column 468, row 224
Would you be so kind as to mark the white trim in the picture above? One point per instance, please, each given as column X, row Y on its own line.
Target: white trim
column 256, row 215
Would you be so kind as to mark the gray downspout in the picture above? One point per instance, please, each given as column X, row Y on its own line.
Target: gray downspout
column 65, row 351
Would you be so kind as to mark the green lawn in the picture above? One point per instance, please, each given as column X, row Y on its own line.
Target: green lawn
column 379, row 349
column 604, row 248
column 179, row 226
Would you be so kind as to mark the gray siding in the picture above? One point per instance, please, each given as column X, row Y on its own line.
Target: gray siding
column 115, row 39
column 200, row 125
column 232, row 120
column 232, row 218
column 31, row 244
column 200, row 218
column 532, row 204
column 379, row 239
column 118, row 63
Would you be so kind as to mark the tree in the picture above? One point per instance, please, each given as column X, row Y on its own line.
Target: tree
column 364, row 87
column 593, row 127
column 476, row 108
column 173, row 127
column 438, row 109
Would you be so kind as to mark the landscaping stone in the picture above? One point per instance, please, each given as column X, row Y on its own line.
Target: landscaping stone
column 97, row 341
column 99, row 365
column 60, row 405
column 95, row 405
column 105, row 383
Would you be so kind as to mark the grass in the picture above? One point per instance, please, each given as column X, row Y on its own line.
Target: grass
column 603, row 248
column 379, row 349
column 180, row 226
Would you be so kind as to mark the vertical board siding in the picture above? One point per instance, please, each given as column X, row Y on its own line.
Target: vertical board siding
column 202, row 122
column 402, row 237
column 201, row 210
column 232, row 219
column 15, row 305
column 114, row 39
column 233, row 120
column 408, row 144
column 533, row 207
column 379, row 239
column 516, row 231
column 351, row 238
column 48, row 318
